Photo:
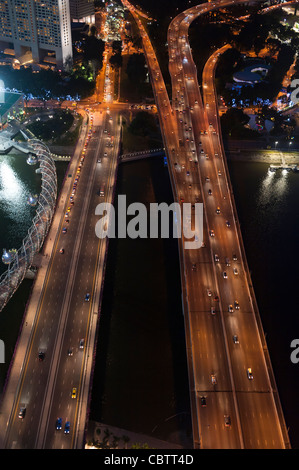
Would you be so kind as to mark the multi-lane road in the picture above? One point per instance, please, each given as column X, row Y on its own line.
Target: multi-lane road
column 56, row 385
column 233, row 394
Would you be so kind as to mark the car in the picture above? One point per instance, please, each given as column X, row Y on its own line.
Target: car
column 207, row 178
column 99, row 160
column 209, row 292
column 81, row 344
column 249, row 373
column 216, row 298
column 235, row 339
column 230, row 308
column 212, row 234
column 227, row 223
column 58, row 423
column 213, row 379
column 218, row 210
column 235, row 257
column 67, row 427
column 203, row 401
column 41, row 356
column 227, row 420
column 64, row 230
column 87, row 297
column 61, row 250
column 194, row 267
column 224, row 274
column 235, row 271
column 227, row 261
column 188, row 173
column 216, row 258
column 237, row 306
column 213, row 311
column 74, row 393
column 105, row 154
column 210, row 192
column 70, row 352
column 22, row 412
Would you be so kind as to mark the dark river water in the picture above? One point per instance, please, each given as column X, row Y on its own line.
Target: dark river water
column 140, row 380
column 17, row 181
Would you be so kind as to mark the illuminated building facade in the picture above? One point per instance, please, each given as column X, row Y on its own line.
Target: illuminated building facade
column 82, row 11
column 41, row 28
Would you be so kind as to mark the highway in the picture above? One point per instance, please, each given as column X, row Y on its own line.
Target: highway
column 64, row 317
column 225, row 344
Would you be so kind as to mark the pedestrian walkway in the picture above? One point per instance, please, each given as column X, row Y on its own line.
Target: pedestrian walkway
column 102, row 435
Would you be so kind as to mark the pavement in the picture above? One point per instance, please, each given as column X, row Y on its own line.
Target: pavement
column 124, row 438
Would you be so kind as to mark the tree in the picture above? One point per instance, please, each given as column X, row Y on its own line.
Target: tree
column 136, row 70
column 93, row 50
column 116, row 60
column 143, row 124
column 116, row 47
column 126, row 439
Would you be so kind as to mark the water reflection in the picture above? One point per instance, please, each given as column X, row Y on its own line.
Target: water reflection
column 17, row 181
column 12, row 189
column 273, row 189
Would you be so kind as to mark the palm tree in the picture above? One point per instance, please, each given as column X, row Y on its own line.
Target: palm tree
column 126, row 439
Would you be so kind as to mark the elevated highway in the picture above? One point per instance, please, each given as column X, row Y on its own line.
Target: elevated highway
column 233, row 394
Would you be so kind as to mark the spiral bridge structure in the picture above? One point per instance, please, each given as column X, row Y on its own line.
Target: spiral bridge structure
column 20, row 260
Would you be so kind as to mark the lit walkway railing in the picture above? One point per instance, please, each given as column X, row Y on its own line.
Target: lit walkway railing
column 22, row 259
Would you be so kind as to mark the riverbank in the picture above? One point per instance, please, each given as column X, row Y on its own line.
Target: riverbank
column 262, row 156
column 103, row 436
column 258, row 151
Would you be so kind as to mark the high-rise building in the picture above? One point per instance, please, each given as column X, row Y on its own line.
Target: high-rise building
column 40, row 29
column 82, row 11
